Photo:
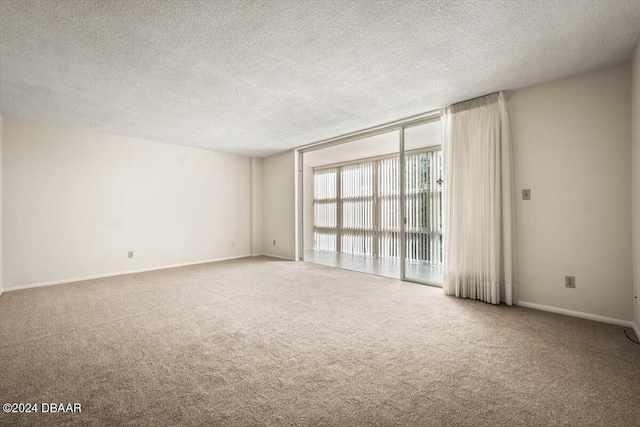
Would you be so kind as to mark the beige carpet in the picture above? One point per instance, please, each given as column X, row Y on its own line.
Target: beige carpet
column 260, row 342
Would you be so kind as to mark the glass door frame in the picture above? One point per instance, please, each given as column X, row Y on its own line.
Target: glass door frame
column 403, row 214
column 400, row 126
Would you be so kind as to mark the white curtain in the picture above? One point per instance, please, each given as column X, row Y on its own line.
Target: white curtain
column 479, row 238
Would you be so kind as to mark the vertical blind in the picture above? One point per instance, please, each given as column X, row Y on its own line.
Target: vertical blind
column 356, row 208
column 325, row 205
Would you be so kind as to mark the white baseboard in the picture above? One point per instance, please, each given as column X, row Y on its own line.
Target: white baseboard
column 102, row 276
column 279, row 257
column 636, row 330
column 588, row 316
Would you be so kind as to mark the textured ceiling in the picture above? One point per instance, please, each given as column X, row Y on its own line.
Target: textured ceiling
column 255, row 77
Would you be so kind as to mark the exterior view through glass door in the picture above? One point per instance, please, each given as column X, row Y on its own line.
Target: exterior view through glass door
column 423, row 204
column 375, row 204
column 352, row 211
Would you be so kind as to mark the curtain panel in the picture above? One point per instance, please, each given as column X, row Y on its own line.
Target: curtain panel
column 479, row 238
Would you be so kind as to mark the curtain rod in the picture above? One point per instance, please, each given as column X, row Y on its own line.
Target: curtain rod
column 477, row 97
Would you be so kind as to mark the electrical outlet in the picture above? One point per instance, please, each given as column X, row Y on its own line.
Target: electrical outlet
column 526, row 194
column 570, row 281
column 635, row 297
column 130, row 254
column 274, row 243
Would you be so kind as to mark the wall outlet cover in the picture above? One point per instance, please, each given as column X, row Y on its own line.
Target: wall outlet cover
column 526, row 194
column 130, row 254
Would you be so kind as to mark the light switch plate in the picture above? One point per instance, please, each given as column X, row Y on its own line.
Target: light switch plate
column 526, row 194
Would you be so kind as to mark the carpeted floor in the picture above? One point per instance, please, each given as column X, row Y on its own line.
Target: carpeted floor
column 260, row 342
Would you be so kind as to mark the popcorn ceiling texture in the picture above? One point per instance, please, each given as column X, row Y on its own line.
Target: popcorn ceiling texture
column 255, row 78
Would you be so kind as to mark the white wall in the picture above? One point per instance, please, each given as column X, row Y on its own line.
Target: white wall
column 77, row 201
column 257, row 205
column 636, row 185
column 307, row 193
column 279, row 188
column 572, row 149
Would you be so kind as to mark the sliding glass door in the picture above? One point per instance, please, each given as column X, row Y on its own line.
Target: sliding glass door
column 356, row 208
column 422, row 185
column 376, row 205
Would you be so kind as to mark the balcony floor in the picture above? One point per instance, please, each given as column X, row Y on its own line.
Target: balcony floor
column 379, row 266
